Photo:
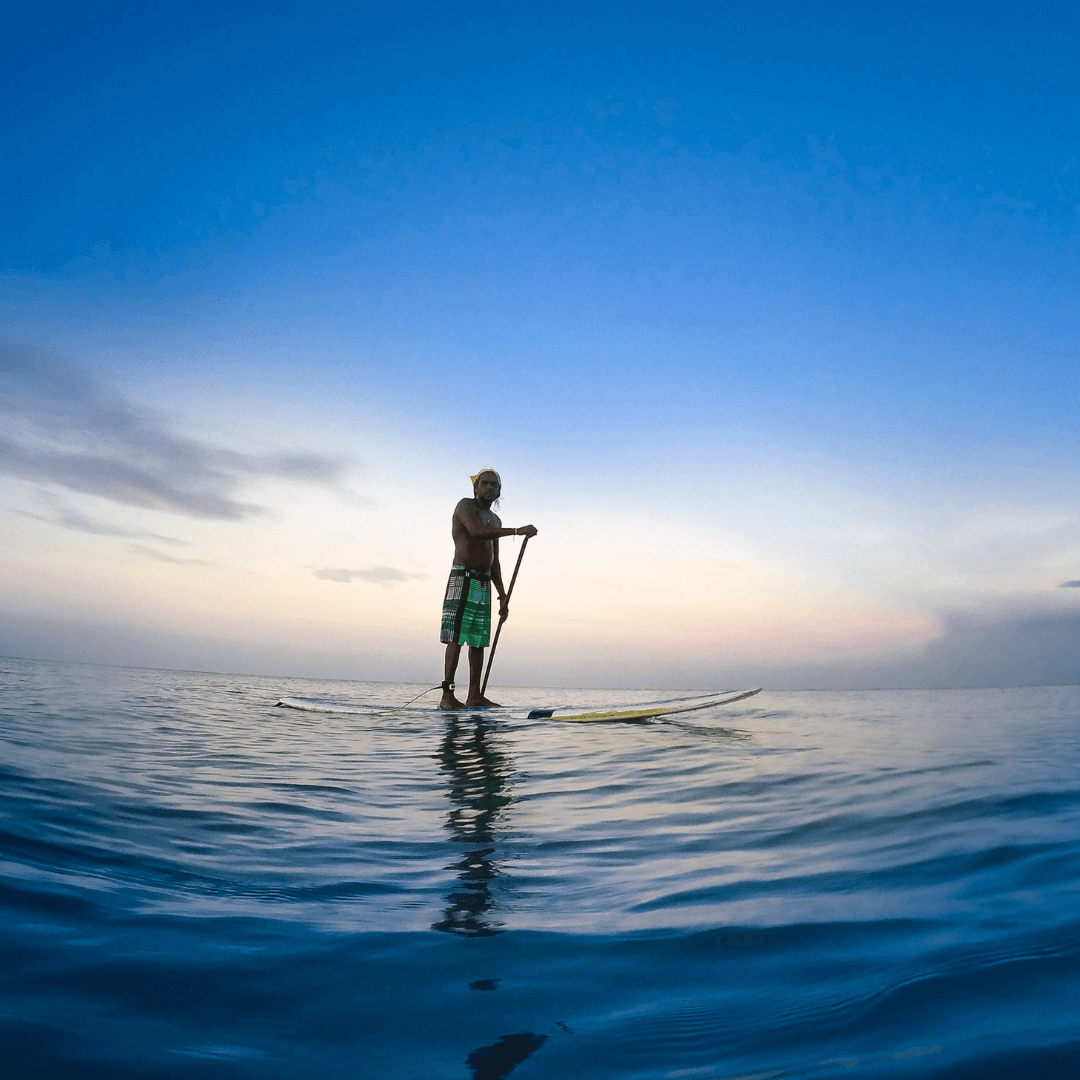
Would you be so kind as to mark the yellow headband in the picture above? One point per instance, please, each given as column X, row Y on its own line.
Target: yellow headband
column 477, row 476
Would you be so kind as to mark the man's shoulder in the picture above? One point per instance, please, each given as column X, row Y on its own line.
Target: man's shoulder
column 463, row 503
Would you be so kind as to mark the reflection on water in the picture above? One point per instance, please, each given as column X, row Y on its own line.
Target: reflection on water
column 498, row 1060
column 478, row 776
column 478, row 780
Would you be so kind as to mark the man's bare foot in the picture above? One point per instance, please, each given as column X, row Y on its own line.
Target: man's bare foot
column 481, row 703
column 449, row 701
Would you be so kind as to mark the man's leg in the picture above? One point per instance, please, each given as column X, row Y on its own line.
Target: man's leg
column 476, row 674
column 453, row 651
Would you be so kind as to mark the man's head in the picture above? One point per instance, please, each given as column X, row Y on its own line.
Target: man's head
column 487, row 485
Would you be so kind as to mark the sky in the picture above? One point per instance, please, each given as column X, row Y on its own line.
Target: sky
column 768, row 315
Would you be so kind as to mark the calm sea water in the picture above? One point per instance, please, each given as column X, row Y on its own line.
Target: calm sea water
column 196, row 883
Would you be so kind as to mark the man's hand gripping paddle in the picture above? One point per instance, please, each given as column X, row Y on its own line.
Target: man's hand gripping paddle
column 498, row 629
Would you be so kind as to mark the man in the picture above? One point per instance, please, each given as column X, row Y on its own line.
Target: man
column 466, row 618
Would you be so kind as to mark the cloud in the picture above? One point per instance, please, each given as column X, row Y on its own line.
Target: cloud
column 71, row 519
column 64, row 429
column 1070, row 585
column 1030, row 644
column 377, row 575
column 161, row 556
column 1020, row 648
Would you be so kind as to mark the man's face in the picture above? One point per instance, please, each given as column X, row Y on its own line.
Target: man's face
column 487, row 487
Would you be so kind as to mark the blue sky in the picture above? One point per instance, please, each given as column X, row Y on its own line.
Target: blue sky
column 769, row 315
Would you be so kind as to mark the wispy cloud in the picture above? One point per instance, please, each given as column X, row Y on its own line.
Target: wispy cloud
column 1070, row 585
column 65, row 429
column 162, row 556
column 377, row 575
column 72, row 519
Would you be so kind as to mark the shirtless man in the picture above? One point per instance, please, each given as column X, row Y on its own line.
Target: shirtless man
column 466, row 616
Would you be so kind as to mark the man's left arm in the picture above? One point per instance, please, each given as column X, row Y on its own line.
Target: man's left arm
column 497, row 581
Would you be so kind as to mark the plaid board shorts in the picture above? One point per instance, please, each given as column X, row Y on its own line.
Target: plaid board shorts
column 466, row 613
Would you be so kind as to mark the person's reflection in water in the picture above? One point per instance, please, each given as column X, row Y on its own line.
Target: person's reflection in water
column 497, row 1061
column 478, row 775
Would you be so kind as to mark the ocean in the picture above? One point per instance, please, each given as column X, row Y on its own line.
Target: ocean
column 198, row 882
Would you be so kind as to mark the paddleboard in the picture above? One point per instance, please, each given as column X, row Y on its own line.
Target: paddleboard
column 644, row 712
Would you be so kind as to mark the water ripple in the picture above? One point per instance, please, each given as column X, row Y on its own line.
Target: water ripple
column 197, row 883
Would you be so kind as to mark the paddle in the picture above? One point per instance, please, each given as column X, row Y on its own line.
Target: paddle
column 498, row 629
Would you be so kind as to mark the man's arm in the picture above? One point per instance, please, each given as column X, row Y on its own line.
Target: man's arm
column 481, row 530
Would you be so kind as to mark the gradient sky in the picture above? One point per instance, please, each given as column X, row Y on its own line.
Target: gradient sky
column 769, row 315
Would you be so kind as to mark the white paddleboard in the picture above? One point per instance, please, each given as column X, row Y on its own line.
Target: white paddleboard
column 644, row 711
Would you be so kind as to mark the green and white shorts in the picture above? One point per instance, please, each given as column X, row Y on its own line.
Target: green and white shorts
column 466, row 613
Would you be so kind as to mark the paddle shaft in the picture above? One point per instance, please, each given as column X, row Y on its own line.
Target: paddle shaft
column 498, row 629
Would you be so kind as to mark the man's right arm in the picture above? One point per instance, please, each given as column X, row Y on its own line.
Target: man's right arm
column 470, row 520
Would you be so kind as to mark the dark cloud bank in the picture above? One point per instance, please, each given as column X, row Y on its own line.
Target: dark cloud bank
column 61, row 428
column 1033, row 647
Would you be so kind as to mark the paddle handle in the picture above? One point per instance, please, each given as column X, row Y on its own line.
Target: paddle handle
column 498, row 629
